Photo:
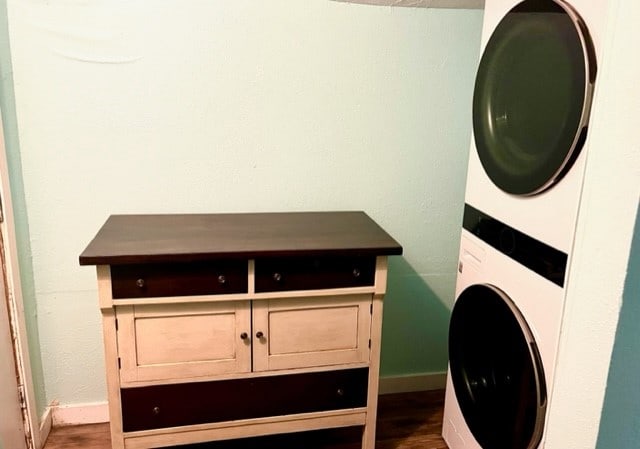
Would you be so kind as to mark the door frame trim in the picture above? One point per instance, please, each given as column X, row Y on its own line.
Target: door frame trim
column 35, row 431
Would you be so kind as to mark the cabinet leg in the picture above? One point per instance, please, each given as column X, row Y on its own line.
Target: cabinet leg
column 369, row 436
column 117, row 440
column 369, row 433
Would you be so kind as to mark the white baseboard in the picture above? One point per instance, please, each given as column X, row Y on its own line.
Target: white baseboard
column 412, row 382
column 67, row 415
column 46, row 421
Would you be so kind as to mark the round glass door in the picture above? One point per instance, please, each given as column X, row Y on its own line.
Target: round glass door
column 496, row 370
column 532, row 96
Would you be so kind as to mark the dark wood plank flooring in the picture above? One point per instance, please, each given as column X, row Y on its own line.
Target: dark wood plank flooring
column 405, row 421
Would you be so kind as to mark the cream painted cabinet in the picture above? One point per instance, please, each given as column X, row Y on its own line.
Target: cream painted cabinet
column 237, row 325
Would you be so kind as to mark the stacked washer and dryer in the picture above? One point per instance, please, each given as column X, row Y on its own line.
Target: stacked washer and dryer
column 531, row 108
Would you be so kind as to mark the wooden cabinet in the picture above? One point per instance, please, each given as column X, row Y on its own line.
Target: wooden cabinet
column 234, row 325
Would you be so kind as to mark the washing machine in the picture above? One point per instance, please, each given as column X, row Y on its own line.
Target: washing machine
column 503, row 335
column 531, row 108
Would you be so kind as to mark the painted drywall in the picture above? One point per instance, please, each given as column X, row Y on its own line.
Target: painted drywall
column 12, row 150
column 620, row 421
column 603, row 240
column 132, row 107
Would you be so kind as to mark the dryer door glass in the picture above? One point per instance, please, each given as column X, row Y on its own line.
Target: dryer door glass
column 532, row 96
column 496, row 370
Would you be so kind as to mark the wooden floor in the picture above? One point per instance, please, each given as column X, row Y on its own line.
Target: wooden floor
column 405, row 421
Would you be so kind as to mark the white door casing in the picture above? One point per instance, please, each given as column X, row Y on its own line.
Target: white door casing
column 14, row 354
column 12, row 432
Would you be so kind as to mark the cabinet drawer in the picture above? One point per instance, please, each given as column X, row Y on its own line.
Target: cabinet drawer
column 207, row 402
column 179, row 279
column 310, row 273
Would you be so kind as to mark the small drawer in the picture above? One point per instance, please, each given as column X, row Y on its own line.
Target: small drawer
column 174, row 405
column 179, row 279
column 311, row 273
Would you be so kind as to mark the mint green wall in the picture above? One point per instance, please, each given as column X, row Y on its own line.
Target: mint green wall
column 12, row 149
column 132, row 107
column 620, row 422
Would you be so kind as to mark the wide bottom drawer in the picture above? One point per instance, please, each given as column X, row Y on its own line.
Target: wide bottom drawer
column 160, row 406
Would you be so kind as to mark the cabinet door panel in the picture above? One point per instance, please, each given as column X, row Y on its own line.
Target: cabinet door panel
column 159, row 342
column 188, row 338
column 298, row 331
column 306, row 332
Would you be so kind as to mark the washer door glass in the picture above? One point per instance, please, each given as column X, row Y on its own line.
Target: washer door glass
column 496, row 370
column 532, row 96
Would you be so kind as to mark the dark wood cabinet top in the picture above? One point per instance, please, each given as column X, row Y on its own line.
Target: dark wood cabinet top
column 127, row 239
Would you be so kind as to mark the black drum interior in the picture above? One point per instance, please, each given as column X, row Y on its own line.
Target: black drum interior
column 532, row 96
column 496, row 370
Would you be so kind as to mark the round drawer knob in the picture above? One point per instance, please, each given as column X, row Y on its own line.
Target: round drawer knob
column 356, row 272
column 340, row 392
column 259, row 335
column 140, row 283
column 244, row 336
column 156, row 411
column 277, row 277
column 222, row 279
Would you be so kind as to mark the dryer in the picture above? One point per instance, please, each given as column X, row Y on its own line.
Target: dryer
column 531, row 109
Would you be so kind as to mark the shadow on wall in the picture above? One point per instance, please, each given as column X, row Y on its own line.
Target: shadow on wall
column 420, row 323
column 620, row 421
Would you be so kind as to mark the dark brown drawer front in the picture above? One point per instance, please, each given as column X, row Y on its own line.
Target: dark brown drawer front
column 173, row 405
column 310, row 273
column 179, row 279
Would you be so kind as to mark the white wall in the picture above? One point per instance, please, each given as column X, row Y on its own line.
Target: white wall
column 603, row 240
column 221, row 106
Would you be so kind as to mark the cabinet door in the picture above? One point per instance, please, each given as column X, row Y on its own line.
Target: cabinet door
column 307, row 332
column 172, row 341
